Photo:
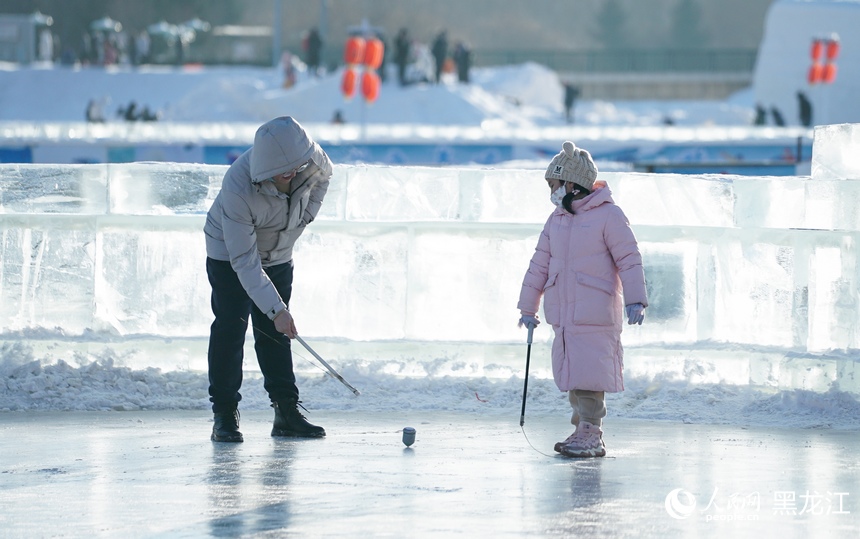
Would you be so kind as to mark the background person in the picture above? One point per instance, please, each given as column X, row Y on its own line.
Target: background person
column 804, row 107
column 313, row 49
column 402, row 45
column 571, row 93
column 440, row 53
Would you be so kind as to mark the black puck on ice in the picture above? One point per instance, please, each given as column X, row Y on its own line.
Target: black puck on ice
column 408, row 436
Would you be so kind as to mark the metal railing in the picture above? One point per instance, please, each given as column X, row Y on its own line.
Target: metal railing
column 608, row 61
column 626, row 61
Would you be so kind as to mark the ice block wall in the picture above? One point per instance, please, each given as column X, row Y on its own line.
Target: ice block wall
column 834, row 152
column 751, row 280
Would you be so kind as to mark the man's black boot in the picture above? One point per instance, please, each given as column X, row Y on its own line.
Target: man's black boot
column 226, row 427
column 290, row 422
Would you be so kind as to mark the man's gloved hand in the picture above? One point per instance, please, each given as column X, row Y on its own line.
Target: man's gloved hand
column 285, row 324
column 528, row 320
column 635, row 313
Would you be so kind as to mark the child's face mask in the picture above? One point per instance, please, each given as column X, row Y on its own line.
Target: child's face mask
column 558, row 195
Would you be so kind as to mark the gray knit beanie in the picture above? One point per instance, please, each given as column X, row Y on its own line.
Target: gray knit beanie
column 572, row 164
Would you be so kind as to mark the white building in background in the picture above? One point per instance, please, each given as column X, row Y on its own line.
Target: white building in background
column 784, row 59
column 25, row 39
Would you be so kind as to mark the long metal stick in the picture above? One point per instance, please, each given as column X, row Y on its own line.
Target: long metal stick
column 526, row 380
column 327, row 366
column 309, row 349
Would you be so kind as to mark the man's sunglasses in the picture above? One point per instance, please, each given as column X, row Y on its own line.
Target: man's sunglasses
column 295, row 171
column 301, row 168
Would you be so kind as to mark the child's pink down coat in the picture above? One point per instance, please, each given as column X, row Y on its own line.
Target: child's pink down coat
column 587, row 266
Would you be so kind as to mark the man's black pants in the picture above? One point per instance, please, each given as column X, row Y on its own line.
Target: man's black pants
column 232, row 307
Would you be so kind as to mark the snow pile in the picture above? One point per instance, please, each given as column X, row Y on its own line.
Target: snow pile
column 517, row 96
column 78, row 383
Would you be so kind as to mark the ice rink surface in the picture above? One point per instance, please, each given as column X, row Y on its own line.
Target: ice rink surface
column 157, row 474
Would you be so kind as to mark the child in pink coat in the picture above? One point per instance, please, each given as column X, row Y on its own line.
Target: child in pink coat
column 588, row 268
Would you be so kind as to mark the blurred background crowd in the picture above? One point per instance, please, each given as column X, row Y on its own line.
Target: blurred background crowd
column 600, row 43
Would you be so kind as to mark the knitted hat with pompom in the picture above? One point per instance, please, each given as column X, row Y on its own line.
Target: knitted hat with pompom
column 572, row 164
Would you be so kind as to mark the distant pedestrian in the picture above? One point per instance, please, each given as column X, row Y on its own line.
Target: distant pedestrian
column 571, row 93
column 94, row 112
column 142, row 47
column 130, row 113
column 110, row 54
column 422, row 67
column 46, row 46
column 98, row 44
column 804, row 109
column 777, row 116
column 179, row 45
column 463, row 59
column 289, row 69
column 760, row 115
column 440, row 53
column 313, row 50
column 148, row 115
column 383, row 67
column 69, row 56
column 401, row 54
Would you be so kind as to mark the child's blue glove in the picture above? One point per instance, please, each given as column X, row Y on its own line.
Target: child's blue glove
column 635, row 313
